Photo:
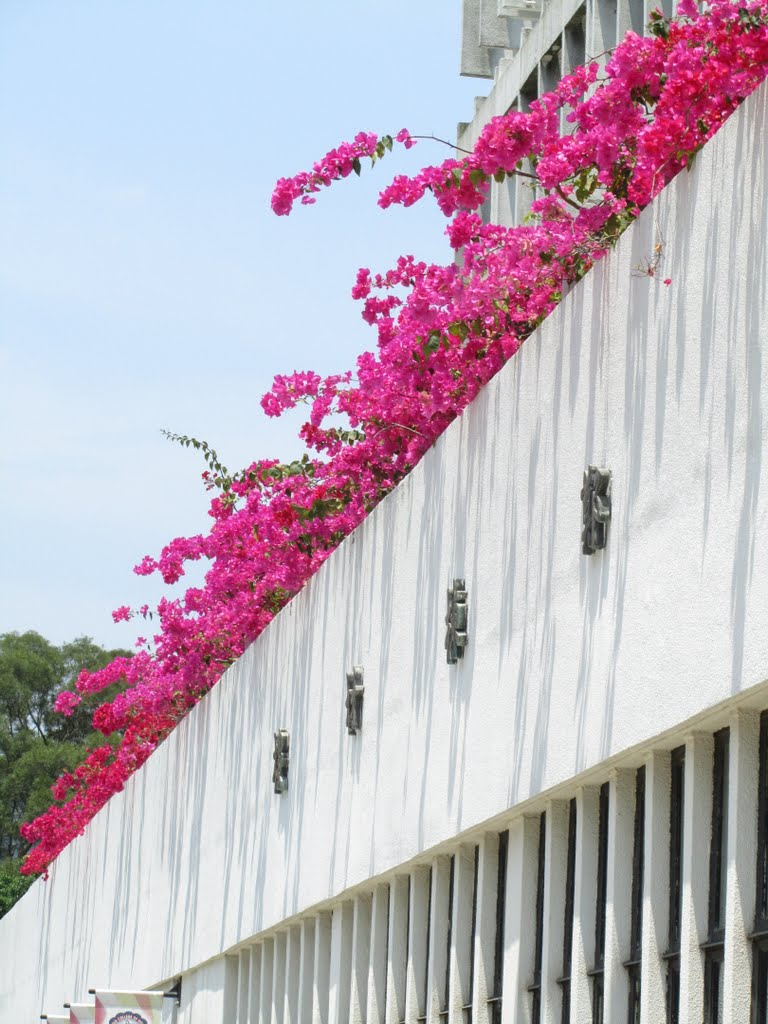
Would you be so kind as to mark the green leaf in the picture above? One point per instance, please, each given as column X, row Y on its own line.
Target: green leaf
column 459, row 330
column 356, row 166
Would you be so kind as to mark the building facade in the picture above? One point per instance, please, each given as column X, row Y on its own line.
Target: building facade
column 370, row 821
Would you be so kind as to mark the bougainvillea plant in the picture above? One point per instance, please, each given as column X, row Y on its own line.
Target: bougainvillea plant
column 596, row 151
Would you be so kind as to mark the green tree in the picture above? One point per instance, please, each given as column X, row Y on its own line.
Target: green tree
column 36, row 743
column 12, row 885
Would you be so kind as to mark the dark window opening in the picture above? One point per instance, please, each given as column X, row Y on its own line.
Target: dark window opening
column 759, row 981
column 761, row 903
column 598, row 971
column 672, row 955
column 760, row 931
column 467, row 1007
column 443, row 1012
column 636, row 920
column 713, row 985
column 524, row 191
column 529, row 92
column 606, row 16
column 535, row 987
column 550, row 70
column 637, row 16
column 424, row 995
column 714, row 946
column 407, row 940
column 386, row 945
column 498, row 952
column 575, row 42
column 564, row 981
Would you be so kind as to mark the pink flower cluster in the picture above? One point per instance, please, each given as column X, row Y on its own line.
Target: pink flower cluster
column 337, row 163
column 66, row 703
column 442, row 333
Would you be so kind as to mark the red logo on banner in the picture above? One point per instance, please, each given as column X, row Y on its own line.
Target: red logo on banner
column 128, row 1017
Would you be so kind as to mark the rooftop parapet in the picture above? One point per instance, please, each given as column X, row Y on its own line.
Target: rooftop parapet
column 493, row 30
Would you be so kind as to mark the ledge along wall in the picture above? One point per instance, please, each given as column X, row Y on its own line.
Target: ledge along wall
column 571, row 659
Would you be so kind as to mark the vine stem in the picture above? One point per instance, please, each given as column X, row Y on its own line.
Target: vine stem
column 401, row 426
column 444, row 142
column 567, row 199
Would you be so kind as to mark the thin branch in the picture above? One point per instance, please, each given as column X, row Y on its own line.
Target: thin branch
column 591, row 60
column 402, row 426
column 567, row 199
column 444, row 142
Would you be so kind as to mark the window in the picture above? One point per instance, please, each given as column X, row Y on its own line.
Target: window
column 535, row 987
column 385, row 900
column 424, row 995
column 564, row 981
column 760, row 932
column 598, row 971
column 636, row 920
column 575, row 41
column 439, row 946
column 498, row 953
column 400, row 978
column 637, row 17
column 448, row 934
column 718, row 869
column 470, row 989
column 550, row 71
column 672, row 956
column 524, row 191
column 606, row 18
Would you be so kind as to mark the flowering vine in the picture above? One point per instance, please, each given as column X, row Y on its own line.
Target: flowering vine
column 596, row 150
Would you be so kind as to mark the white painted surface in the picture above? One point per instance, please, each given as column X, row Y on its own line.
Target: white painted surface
column 584, row 903
column 655, row 888
column 618, row 918
column 485, row 940
column 742, row 860
column 697, row 829
column 437, row 959
column 520, row 924
column 553, row 932
column 397, row 950
column 572, row 660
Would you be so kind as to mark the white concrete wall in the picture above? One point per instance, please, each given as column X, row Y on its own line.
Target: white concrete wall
column 572, row 659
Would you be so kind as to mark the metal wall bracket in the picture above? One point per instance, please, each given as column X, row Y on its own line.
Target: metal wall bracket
column 174, row 993
column 596, row 509
column 281, row 760
column 456, row 622
column 354, row 702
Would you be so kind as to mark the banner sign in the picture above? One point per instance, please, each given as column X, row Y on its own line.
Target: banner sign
column 82, row 1013
column 128, row 1007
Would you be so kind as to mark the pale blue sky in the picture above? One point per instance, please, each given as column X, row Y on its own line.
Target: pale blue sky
column 144, row 282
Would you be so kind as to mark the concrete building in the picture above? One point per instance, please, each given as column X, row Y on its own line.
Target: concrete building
column 569, row 822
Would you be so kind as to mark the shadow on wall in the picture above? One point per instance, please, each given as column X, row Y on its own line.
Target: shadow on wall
column 748, row 304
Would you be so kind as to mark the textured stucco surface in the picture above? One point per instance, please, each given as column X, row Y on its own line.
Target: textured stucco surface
column 571, row 659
